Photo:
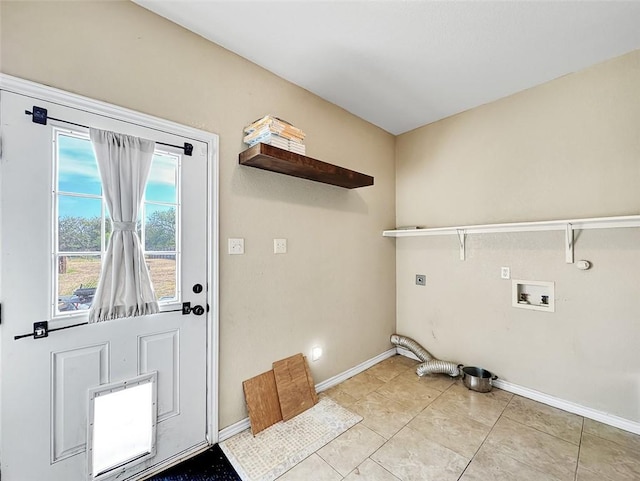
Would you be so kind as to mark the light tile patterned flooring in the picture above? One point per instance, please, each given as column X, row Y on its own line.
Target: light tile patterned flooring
column 433, row 428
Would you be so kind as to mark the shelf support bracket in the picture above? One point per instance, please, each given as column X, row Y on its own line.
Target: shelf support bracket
column 461, row 240
column 569, row 244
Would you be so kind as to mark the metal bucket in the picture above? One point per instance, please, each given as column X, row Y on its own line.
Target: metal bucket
column 477, row 379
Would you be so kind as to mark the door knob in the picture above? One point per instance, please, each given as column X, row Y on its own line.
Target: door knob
column 187, row 309
column 197, row 310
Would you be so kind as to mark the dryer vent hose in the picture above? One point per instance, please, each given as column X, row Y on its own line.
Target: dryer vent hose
column 430, row 365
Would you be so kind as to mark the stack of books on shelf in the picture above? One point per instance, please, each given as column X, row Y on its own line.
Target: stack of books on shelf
column 277, row 132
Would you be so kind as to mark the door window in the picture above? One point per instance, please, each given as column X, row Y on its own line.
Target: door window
column 82, row 228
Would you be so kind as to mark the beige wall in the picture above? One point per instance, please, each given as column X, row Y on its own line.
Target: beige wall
column 336, row 286
column 569, row 148
column 566, row 149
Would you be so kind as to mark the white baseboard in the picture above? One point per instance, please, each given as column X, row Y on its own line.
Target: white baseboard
column 243, row 424
column 234, row 429
column 337, row 379
column 600, row 416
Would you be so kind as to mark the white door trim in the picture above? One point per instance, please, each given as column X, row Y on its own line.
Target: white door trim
column 67, row 99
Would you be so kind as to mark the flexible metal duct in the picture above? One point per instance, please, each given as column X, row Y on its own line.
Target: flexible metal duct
column 438, row 367
column 430, row 365
column 412, row 346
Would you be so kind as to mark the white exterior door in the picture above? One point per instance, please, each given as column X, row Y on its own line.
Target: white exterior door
column 53, row 233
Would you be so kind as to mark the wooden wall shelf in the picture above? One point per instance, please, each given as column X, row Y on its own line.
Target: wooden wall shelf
column 268, row 157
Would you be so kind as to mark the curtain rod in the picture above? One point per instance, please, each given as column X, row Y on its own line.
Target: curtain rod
column 39, row 116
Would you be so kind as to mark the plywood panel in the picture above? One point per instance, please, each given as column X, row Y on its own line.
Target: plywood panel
column 293, row 386
column 312, row 385
column 263, row 405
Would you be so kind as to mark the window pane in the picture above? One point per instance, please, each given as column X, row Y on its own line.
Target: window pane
column 160, row 227
column 161, row 186
column 79, row 224
column 77, row 281
column 77, row 166
column 162, row 268
column 80, row 221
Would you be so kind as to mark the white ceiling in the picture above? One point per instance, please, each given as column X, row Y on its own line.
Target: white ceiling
column 402, row 64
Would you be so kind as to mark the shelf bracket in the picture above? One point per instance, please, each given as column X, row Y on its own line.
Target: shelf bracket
column 461, row 240
column 569, row 244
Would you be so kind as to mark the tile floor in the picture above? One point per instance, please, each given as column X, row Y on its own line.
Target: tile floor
column 433, row 428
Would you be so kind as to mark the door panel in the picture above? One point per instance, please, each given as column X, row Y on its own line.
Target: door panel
column 45, row 382
column 71, row 372
column 161, row 353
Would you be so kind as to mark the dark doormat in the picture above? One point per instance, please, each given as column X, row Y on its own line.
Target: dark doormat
column 212, row 465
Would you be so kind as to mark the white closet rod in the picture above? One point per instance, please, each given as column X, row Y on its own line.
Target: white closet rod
column 549, row 225
column 568, row 226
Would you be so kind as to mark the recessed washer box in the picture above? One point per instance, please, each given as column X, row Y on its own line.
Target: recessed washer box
column 536, row 295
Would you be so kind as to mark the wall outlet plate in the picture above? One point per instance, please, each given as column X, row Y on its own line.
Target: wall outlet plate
column 236, row 246
column 505, row 273
column 421, row 280
column 279, row 246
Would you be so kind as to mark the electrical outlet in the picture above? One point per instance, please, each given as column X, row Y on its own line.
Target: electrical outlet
column 236, row 246
column 279, row 246
column 421, row 280
column 505, row 273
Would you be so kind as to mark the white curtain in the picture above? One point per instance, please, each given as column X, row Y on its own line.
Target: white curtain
column 124, row 288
